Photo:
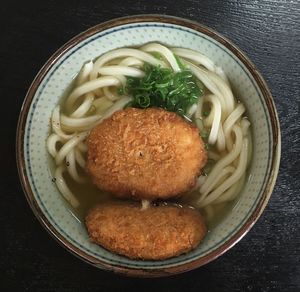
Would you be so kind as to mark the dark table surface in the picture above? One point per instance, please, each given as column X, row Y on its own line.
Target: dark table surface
column 266, row 259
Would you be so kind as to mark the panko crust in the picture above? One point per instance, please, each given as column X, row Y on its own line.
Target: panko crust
column 145, row 153
column 156, row 233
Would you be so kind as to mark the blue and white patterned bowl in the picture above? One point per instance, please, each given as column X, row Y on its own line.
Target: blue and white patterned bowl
column 49, row 85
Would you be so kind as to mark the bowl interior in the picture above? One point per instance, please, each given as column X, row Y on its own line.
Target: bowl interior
column 48, row 199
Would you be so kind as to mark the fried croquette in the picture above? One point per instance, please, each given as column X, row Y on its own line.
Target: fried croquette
column 155, row 233
column 145, row 154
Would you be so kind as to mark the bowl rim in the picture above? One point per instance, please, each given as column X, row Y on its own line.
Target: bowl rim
column 272, row 175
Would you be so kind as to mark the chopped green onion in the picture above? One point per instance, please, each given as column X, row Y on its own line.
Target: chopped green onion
column 161, row 87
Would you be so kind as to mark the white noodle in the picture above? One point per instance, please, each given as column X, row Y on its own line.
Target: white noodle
column 78, row 122
column 90, row 86
column 79, row 158
column 202, row 75
column 221, row 141
column 232, row 179
column 110, row 95
column 84, row 107
column 84, row 73
column 225, row 161
column 232, row 192
column 196, row 57
column 245, row 124
column 131, row 61
column 224, row 89
column 223, row 173
column 165, row 52
column 121, row 70
column 51, row 144
column 213, row 155
column 208, row 121
column 56, row 125
column 198, row 115
column 69, row 146
column 191, row 110
column 82, row 147
column 102, row 104
column 222, row 74
column 119, row 53
column 200, row 181
column 117, row 106
column 71, row 167
column 122, row 80
column 63, row 188
column 216, row 120
column 230, row 121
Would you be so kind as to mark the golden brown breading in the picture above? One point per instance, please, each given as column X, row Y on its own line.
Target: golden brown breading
column 145, row 153
column 153, row 234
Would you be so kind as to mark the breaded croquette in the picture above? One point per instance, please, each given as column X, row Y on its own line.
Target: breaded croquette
column 155, row 233
column 145, row 154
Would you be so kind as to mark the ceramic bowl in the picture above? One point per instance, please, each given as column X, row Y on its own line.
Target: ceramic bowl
column 55, row 76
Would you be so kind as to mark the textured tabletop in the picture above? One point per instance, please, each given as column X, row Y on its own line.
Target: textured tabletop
column 266, row 259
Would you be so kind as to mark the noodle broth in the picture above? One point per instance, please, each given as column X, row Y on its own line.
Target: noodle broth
column 89, row 196
column 221, row 120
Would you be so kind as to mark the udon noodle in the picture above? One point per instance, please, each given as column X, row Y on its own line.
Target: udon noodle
column 95, row 97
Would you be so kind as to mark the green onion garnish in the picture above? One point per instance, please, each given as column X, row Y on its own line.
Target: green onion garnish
column 161, row 87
